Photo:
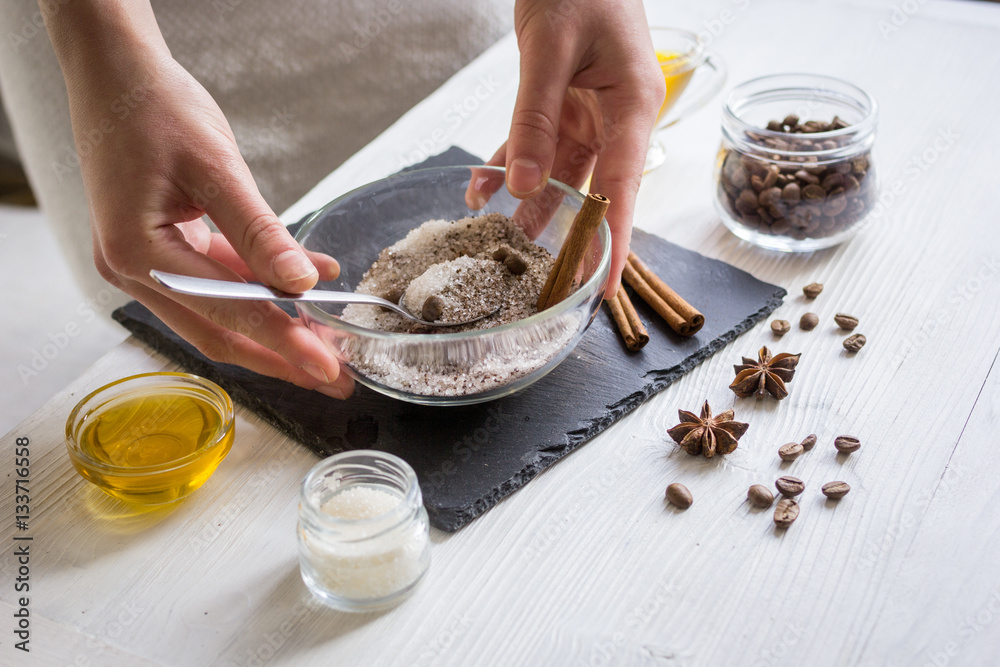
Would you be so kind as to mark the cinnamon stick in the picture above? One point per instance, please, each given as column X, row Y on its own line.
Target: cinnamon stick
column 693, row 319
column 649, row 295
column 567, row 266
column 627, row 319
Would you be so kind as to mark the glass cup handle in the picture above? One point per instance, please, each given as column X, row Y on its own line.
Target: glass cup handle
column 705, row 90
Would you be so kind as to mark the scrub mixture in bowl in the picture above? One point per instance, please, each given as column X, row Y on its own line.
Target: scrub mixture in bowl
column 453, row 271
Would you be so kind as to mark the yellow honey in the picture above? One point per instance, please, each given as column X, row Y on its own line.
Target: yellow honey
column 677, row 72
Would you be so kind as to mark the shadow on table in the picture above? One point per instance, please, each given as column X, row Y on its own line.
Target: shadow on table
column 287, row 621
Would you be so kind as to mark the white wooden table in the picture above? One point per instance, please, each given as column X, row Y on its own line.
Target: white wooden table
column 585, row 565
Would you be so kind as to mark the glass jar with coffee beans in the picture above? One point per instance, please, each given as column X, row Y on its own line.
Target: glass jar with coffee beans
column 795, row 170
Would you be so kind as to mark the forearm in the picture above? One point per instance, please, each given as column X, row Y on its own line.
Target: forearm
column 102, row 40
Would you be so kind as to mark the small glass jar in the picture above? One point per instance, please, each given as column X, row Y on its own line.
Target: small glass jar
column 363, row 532
column 795, row 170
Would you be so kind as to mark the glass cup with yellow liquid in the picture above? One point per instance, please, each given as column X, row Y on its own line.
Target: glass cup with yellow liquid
column 693, row 76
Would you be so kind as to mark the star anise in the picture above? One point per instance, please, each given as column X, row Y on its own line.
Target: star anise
column 767, row 374
column 707, row 435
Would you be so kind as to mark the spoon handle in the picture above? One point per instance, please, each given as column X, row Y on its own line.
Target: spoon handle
column 227, row 289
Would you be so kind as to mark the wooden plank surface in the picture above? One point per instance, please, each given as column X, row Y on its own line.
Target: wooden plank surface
column 585, row 565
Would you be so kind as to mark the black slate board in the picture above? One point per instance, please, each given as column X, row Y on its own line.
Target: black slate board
column 468, row 458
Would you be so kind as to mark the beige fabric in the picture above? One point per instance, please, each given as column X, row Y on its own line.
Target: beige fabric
column 304, row 84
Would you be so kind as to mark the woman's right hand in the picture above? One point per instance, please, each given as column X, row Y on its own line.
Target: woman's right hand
column 156, row 153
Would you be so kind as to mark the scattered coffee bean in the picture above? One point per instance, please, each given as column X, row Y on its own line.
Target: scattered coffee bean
column 809, row 442
column 789, row 486
column 808, row 321
column 812, row 290
column 780, row 327
column 790, row 451
column 786, row 512
column 760, row 496
column 500, row 254
column 855, row 342
column 836, row 490
column 846, row 444
column 432, row 308
column 679, row 496
column 845, row 321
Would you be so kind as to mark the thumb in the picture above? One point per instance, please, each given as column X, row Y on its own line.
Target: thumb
column 545, row 73
column 258, row 236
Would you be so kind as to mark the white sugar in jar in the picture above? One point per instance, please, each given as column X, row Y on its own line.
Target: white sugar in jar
column 363, row 532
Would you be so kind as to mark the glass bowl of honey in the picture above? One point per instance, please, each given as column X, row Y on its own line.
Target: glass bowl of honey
column 153, row 438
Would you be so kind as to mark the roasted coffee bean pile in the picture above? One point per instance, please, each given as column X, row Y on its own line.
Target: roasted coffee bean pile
column 803, row 195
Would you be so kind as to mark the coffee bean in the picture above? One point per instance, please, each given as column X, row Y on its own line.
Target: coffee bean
column 769, row 197
column 791, row 192
column 746, row 202
column 760, row 496
column 786, row 512
column 835, row 204
column 830, row 145
column 812, row 290
column 806, row 177
column 515, row 263
column 845, row 321
column 808, row 321
column 781, row 226
column 790, row 451
column 739, row 178
column 679, row 496
column 775, row 126
column 789, row 486
column 780, row 327
column 791, row 120
column 838, row 124
column 855, row 342
column 393, row 295
column 500, row 254
column 432, row 308
column 814, row 192
column 809, row 442
column 851, row 185
column 831, row 181
column 836, row 490
column 757, row 183
column 846, row 444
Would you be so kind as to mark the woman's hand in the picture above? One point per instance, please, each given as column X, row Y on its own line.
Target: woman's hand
column 589, row 92
column 156, row 154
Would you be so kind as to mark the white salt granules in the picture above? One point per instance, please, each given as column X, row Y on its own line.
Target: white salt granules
column 375, row 558
column 360, row 502
column 464, row 289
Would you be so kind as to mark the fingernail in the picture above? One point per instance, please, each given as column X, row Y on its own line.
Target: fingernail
column 331, row 391
column 524, row 176
column 316, row 372
column 292, row 265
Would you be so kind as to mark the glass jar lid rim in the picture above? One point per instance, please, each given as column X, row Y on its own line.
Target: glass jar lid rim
column 747, row 92
column 408, row 502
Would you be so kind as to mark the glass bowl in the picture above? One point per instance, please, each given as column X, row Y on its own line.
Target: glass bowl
column 152, row 438
column 802, row 187
column 462, row 367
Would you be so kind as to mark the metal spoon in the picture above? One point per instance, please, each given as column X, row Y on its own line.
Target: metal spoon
column 227, row 289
